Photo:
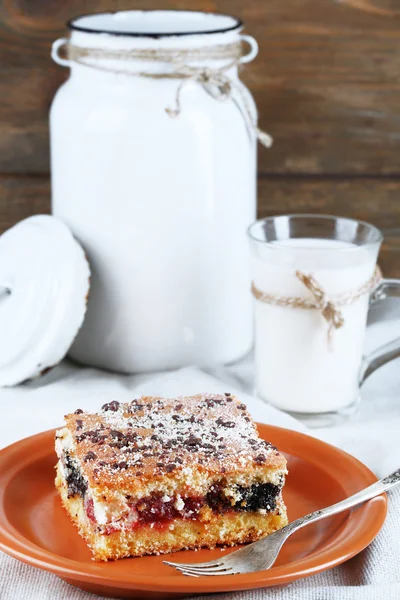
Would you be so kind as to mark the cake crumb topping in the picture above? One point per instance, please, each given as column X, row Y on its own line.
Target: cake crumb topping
column 152, row 437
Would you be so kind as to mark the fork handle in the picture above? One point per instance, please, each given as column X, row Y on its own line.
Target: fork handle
column 370, row 492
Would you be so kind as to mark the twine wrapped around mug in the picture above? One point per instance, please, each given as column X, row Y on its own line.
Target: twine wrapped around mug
column 328, row 307
column 215, row 81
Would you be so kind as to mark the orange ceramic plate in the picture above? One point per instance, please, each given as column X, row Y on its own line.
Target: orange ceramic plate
column 35, row 529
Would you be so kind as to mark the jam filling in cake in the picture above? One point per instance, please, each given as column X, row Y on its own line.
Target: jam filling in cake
column 157, row 475
column 161, row 509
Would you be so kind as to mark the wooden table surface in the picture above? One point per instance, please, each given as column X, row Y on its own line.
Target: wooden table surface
column 327, row 84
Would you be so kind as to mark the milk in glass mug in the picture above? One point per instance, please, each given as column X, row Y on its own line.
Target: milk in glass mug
column 314, row 278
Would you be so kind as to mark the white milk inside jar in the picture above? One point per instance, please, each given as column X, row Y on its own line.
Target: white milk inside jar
column 157, row 180
column 299, row 367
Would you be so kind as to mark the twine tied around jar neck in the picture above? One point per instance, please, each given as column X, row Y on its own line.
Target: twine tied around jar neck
column 224, row 86
column 328, row 307
column 215, row 81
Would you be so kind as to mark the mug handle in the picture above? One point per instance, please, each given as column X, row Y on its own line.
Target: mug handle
column 388, row 288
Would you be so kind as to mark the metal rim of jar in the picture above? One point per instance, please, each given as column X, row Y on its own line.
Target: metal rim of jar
column 71, row 24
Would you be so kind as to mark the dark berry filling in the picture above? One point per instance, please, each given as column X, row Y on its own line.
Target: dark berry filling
column 258, row 496
column 76, row 483
column 154, row 509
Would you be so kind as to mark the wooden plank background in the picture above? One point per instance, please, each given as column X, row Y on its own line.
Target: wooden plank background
column 327, row 84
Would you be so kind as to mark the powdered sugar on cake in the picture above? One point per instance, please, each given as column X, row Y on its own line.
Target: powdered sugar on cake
column 153, row 436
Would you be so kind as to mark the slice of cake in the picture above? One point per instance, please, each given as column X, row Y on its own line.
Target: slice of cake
column 158, row 475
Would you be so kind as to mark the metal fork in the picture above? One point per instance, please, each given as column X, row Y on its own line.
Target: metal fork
column 262, row 554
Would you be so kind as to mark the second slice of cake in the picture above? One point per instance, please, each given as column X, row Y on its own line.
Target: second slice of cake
column 158, row 475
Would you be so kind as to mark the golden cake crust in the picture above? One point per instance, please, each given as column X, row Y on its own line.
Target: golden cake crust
column 128, row 445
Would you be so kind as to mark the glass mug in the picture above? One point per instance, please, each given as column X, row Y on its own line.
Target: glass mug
column 314, row 279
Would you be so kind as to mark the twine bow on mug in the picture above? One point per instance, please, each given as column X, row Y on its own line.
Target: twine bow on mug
column 329, row 307
column 329, row 310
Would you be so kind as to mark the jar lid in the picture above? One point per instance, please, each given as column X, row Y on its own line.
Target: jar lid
column 44, row 286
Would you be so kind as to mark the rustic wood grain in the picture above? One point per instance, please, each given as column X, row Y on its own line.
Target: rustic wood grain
column 367, row 199
column 21, row 197
column 374, row 200
column 326, row 80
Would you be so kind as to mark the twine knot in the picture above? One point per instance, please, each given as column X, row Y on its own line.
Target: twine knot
column 219, row 80
column 329, row 307
column 221, row 88
column 329, row 310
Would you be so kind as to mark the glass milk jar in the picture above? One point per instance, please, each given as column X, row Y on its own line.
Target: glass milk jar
column 153, row 156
